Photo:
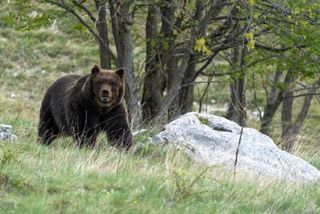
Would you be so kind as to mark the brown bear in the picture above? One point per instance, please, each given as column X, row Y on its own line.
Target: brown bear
column 83, row 106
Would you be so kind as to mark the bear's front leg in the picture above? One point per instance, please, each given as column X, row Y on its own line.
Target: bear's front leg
column 87, row 139
column 117, row 127
column 85, row 129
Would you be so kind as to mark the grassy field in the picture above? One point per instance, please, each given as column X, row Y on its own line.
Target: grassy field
column 149, row 179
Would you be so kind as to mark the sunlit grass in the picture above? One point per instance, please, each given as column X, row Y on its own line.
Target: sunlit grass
column 148, row 179
column 60, row 177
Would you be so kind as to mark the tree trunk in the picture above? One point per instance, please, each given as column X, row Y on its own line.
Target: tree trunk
column 231, row 115
column 187, row 90
column 177, row 66
column 290, row 137
column 180, row 97
column 178, row 75
column 101, row 25
column 131, row 94
column 160, row 59
column 286, row 113
column 167, row 10
column 113, row 7
column 269, row 111
column 152, row 88
column 236, row 110
column 293, row 130
column 273, row 101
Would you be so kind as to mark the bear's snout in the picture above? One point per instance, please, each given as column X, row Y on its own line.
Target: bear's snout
column 105, row 94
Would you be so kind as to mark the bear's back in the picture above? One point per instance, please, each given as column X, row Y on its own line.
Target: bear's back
column 56, row 96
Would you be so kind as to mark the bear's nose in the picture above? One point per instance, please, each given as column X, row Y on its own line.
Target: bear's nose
column 104, row 93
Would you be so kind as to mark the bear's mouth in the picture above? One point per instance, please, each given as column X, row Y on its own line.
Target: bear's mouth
column 105, row 99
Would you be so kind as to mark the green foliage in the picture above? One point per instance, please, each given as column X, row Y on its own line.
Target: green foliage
column 251, row 2
column 200, row 47
column 250, row 38
column 290, row 24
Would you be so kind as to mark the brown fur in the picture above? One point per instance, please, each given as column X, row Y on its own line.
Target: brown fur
column 83, row 106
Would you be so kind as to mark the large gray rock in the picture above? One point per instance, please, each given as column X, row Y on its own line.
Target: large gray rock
column 213, row 140
column 6, row 133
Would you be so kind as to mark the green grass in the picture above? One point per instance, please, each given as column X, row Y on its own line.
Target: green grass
column 149, row 179
column 62, row 178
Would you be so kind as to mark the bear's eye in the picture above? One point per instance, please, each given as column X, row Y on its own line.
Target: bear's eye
column 112, row 82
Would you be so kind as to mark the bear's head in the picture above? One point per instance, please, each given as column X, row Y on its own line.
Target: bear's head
column 107, row 86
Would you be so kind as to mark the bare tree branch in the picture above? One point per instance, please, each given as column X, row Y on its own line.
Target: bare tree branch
column 64, row 6
column 206, row 89
column 276, row 50
column 85, row 9
column 302, row 95
column 255, row 96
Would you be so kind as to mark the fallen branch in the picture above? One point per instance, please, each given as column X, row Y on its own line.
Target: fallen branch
column 237, row 153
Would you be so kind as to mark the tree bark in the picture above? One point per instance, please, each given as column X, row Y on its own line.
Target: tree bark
column 167, row 10
column 286, row 112
column 174, row 71
column 176, row 75
column 102, row 28
column 160, row 59
column 198, row 29
column 113, row 7
column 289, row 138
column 273, row 101
column 152, row 88
column 131, row 94
column 187, row 90
column 236, row 110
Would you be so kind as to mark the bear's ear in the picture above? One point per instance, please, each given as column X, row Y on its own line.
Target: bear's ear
column 120, row 72
column 95, row 70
